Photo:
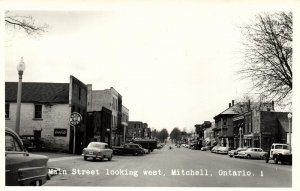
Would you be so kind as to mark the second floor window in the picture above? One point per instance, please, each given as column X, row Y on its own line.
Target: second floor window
column 37, row 111
column 79, row 94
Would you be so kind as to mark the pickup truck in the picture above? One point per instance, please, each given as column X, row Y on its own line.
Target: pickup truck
column 128, row 149
column 279, row 153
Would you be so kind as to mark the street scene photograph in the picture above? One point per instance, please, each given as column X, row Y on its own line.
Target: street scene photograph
column 172, row 94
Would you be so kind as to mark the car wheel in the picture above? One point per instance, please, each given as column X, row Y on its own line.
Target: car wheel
column 135, row 153
column 94, row 158
column 248, row 156
column 267, row 159
column 85, row 157
column 36, row 183
column 230, row 156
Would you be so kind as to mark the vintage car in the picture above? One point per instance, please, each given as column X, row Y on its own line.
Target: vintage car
column 257, row 153
column 33, row 143
column 97, row 150
column 149, row 144
column 128, row 149
column 223, row 150
column 23, row 168
column 233, row 153
column 215, row 148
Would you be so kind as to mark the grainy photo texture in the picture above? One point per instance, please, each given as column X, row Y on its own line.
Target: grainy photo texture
column 149, row 97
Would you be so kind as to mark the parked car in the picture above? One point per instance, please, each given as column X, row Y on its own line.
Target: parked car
column 223, row 150
column 233, row 153
column 23, row 168
column 279, row 153
column 257, row 153
column 215, row 148
column 149, row 144
column 97, row 150
column 131, row 149
column 33, row 143
column 205, row 148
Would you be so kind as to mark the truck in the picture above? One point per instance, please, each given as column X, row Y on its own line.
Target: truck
column 149, row 144
column 279, row 153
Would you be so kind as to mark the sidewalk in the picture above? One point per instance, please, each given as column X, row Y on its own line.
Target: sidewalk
column 53, row 155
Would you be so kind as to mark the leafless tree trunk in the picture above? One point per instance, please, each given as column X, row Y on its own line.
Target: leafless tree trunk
column 268, row 54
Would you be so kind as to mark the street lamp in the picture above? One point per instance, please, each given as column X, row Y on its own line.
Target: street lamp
column 21, row 69
column 240, row 129
column 290, row 137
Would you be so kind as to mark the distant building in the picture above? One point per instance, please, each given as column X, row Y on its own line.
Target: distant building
column 112, row 100
column 225, row 132
column 46, row 110
column 125, row 121
column 135, row 130
column 200, row 129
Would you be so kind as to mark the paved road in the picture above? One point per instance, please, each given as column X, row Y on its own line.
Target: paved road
column 179, row 167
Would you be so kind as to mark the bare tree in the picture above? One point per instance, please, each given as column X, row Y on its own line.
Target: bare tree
column 268, row 54
column 25, row 23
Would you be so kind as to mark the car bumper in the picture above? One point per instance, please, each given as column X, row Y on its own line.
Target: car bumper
column 241, row 156
column 92, row 155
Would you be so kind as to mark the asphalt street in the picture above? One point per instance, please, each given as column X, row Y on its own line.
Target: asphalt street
column 179, row 167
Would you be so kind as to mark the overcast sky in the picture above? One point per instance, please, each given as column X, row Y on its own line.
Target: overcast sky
column 175, row 66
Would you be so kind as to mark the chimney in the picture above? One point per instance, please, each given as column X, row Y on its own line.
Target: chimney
column 89, row 87
column 232, row 102
column 229, row 105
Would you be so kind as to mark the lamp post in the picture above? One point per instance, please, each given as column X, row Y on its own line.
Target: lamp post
column 290, row 136
column 20, row 68
column 240, row 129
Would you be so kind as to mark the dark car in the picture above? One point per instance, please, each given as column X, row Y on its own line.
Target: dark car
column 23, row 168
column 33, row 143
column 129, row 149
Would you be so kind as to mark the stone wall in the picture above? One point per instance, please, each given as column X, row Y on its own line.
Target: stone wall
column 53, row 116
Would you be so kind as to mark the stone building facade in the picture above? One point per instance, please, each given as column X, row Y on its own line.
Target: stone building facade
column 46, row 110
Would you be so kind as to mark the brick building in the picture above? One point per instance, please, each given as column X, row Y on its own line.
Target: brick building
column 135, row 130
column 112, row 100
column 46, row 110
column 99, row 125
column 125, row 121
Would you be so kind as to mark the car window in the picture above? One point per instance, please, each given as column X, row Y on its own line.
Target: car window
column 11, row 143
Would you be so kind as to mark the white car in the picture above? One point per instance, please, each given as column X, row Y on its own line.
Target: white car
column 257, row 153
column 97, row 150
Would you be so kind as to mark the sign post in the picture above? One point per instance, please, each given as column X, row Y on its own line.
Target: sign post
column 75, row 119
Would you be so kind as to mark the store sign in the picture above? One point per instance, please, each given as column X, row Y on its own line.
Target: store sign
column 60, row 132
column 75, row 118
